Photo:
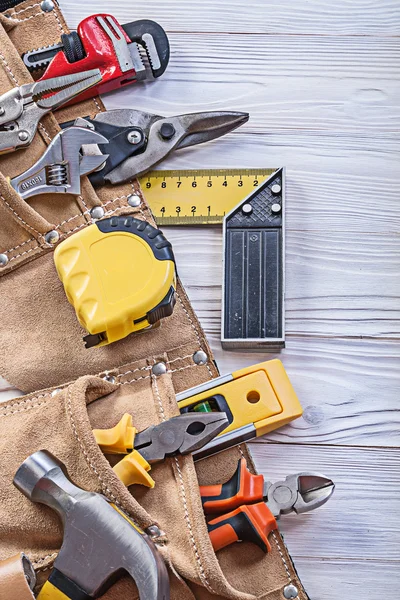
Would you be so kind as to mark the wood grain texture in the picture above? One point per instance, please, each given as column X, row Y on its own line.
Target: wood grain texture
column 360, row 520
column 349, row 389
column 338, row 285
column 347, row 579
column 347, row 155
column 348, row 548
column 272, row 77
column 321, row 82
column 343, row 17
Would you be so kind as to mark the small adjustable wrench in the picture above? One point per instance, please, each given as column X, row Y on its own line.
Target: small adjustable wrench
column 60, row 168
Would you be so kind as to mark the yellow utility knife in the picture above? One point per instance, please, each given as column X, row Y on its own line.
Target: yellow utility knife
column 256, row 400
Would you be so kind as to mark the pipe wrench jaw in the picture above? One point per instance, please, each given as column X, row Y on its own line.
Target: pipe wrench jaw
column 154, row 41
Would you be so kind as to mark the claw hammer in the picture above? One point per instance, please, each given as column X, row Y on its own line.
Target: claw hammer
column 100, row 541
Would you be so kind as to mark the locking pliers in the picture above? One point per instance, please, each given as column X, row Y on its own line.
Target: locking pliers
column 22, row 108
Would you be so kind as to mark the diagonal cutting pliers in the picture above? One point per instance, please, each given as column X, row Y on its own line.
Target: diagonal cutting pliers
column 248, row 507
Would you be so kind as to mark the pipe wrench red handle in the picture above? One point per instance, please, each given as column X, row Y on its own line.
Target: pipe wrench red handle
column 114, row 49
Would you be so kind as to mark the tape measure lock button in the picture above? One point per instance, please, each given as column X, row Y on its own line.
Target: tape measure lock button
column 119, row 275
column 164, row 309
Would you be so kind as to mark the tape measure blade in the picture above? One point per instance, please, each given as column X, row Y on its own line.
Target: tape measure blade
column 198, row 197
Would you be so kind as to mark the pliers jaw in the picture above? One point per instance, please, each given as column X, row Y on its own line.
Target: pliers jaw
column 298, row 493
column 22, row 108
column 179, row 435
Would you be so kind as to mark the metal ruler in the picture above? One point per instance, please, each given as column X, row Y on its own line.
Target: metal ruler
column 199, row 197
column 254, row 269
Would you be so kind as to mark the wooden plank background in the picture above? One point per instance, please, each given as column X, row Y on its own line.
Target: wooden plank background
column 320, row 80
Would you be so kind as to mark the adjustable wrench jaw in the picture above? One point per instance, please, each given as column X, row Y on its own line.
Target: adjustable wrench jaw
column 60, row 168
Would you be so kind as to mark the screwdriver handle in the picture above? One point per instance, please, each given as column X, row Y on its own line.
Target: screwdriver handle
column 242, row 488
column 252, row 523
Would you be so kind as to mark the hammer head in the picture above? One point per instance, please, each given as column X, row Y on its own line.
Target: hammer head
column 100, row 542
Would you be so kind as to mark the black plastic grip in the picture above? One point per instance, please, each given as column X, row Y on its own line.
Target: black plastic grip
column 243, row 527
column 161, row 247
column 228, row 490
column 5, row 4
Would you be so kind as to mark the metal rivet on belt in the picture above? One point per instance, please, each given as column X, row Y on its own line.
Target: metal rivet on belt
column 159, row 368
column 276, row 208
column 3, row 260
column 134, row 200
column 55, row 392
column 47, row 5
column 200, row 357
column 97, row 212
column 154, row 532
column 52, row 237
column 109, row 378
column 290, row 591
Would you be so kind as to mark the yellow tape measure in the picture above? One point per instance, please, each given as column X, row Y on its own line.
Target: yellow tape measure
column 199, row 197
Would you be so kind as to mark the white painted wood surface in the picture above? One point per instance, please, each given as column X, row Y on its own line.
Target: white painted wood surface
column 320, row 80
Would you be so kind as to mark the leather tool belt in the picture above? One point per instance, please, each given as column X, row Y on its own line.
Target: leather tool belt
column 41, row 347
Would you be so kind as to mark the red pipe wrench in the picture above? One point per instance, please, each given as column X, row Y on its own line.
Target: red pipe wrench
column 100, row 42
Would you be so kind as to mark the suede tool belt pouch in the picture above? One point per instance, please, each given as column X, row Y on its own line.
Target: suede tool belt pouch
column 41, row 346
column 240, row 571
column 41, row 332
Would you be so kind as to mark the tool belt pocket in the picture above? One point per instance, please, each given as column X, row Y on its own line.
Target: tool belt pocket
column 61, row 421
column 32, row 227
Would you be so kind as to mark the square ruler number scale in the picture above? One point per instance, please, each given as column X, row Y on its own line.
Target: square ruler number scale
column 249, row 203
